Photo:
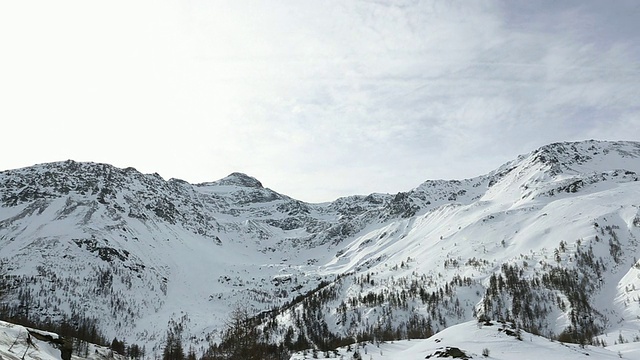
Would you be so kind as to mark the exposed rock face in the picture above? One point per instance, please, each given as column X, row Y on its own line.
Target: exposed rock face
column 239, row 179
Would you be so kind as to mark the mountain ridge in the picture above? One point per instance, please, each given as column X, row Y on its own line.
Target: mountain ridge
column 557, row 155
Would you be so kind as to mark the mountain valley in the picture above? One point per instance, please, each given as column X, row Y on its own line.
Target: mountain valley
column 547, row 243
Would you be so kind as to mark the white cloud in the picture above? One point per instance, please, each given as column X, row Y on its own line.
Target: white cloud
column 316, row 99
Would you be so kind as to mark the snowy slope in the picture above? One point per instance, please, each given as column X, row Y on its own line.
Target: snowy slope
column 136, row 252
column 472, row 339
column 22, row 343
column 559, row 226
column 16, row 342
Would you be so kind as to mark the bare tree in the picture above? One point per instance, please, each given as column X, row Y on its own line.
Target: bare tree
column 240, row 336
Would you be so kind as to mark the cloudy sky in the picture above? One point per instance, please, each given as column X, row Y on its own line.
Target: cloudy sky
column 316, row 99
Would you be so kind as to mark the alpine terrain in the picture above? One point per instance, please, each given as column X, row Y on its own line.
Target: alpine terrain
column 543, row 248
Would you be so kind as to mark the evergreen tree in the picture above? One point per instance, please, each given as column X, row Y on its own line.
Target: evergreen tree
column 135, row 352
column 192, row 354
column 173, row 348
column 3, row 287
column 118, row 346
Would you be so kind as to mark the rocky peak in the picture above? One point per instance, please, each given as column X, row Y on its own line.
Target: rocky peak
column 562, row 155
column 240, row 179
column 571, row 156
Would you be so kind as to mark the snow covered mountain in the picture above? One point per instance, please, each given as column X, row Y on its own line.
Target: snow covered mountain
column 548, row 241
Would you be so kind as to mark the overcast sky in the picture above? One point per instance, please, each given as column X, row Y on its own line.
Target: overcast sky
column 316, row 99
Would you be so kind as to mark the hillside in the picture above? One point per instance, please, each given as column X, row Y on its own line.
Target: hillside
column 471, row 340
column 548, row 240
column 23, row 343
